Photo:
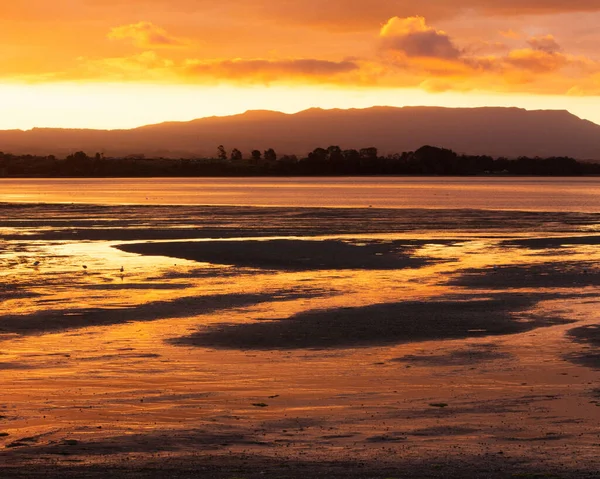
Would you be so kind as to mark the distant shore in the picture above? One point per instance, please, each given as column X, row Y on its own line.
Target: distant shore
column 331, row 161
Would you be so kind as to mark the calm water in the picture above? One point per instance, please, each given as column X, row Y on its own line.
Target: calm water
column 534, row 194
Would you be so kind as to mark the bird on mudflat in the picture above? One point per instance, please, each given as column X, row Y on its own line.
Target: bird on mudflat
column 37, row 263
column 84, row 266
column 122, row 269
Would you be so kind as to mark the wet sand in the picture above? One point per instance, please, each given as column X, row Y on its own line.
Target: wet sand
column 291, row 342
column 289, row 255
column 589, row 336
column 377, row 325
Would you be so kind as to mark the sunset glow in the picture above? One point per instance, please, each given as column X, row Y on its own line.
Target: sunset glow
column 111, row 64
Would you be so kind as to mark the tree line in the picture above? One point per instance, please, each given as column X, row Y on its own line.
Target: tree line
column 330, row 161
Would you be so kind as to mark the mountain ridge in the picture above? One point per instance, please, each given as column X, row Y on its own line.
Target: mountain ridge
column 494, row 131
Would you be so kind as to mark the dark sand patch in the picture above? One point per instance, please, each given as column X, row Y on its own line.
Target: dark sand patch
column 134, row 286
column 444, row 431
column 294, row 255
column 546, row 437
column 548, row 275
column 52, row 321
column 391, row 437
column 169, row 398
column 589, row 334
column 120, row 357
column 203, row 272
column 142, row 443
column 13, row 291
column 502, row 405
column 93, row 222
column 459, row 357
column 556, row 242
column 380, row 324
column 590, row 337
column 14, row 366
column 5, row 296
column 488, row 465
column 293, row 423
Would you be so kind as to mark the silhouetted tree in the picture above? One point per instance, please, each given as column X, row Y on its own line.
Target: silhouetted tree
column 78, row 156
column 270, row 155
column 427, row 160
column 334, row 154
column 439, row 161
column 318, row 155
column 368, row 153
column 288, row 159
column 256, row 155
column 221, row 153
column 351, row 155
column 236, row 154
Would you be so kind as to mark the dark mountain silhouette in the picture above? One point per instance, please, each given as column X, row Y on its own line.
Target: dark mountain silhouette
column 509, row 132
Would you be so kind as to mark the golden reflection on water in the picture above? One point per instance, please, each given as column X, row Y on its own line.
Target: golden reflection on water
column 126, row 377
column 509, row 193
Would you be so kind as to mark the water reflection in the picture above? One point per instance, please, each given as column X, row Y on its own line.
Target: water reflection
column 533, row 194
column 96, row 354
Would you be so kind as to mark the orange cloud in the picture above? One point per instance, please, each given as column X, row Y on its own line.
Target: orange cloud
column 268, row 70
column 145, row 35
column 545, row 44
column 510, row 34
column 484, row 47
column 537, row 61
column 142, row 67
column 413, row 37
column 151, row 67
column 406, row 52
column 431, row 57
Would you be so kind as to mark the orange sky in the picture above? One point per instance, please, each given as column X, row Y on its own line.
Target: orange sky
column 116, row 63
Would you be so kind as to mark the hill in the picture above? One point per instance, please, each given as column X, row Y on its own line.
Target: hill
column 509, row 132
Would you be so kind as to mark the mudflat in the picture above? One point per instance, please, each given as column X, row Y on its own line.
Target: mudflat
column 183, row 341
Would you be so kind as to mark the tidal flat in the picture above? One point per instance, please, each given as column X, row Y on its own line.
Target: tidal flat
column 247, row 342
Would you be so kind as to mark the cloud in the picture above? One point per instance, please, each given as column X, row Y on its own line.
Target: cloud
column 413, row 37
column 268, row 70
column 145, row 67
column 538, row 61
column 432, row 51
column 150, row 67
column 511, row 34
column 406, row 52
column 430, row 59
column 144, row 35
column 546, row 44
column 486, row 48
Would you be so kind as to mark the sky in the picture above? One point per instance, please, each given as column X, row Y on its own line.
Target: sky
column 125, row 63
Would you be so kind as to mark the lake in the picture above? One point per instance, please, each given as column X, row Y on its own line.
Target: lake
column 505, row 193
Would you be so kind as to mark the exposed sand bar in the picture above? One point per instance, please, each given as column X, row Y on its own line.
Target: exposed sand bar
column 296, row 343
column 290, row 255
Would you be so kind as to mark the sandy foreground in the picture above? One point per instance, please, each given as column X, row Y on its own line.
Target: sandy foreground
column 226, row 342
